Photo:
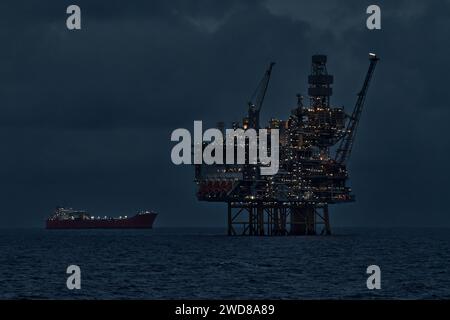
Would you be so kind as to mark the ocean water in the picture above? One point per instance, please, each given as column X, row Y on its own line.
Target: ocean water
column 206, row 264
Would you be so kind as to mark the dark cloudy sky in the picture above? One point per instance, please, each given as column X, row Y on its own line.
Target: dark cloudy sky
column 86, row 116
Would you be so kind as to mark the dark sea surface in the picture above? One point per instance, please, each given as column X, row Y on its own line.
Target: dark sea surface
column 204, row 263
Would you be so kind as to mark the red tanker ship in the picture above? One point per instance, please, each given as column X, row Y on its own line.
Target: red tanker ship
column 67, row 218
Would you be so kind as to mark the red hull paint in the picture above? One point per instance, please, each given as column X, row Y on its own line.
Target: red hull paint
column 139, row 221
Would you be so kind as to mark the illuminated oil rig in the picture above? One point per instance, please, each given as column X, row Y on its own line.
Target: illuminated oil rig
column 315, row 144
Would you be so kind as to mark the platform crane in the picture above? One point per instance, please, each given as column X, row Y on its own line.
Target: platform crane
column 257, row 99
column 345, row 147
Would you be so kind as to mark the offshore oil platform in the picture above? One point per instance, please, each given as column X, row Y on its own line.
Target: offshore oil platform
column 315, row 143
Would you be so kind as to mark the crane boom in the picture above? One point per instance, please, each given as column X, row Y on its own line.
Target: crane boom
column 345, row 147
column 258, row 96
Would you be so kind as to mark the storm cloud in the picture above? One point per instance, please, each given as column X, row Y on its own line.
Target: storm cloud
column 86, row 116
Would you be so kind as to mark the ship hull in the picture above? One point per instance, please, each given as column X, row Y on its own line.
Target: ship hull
column 144, row 221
